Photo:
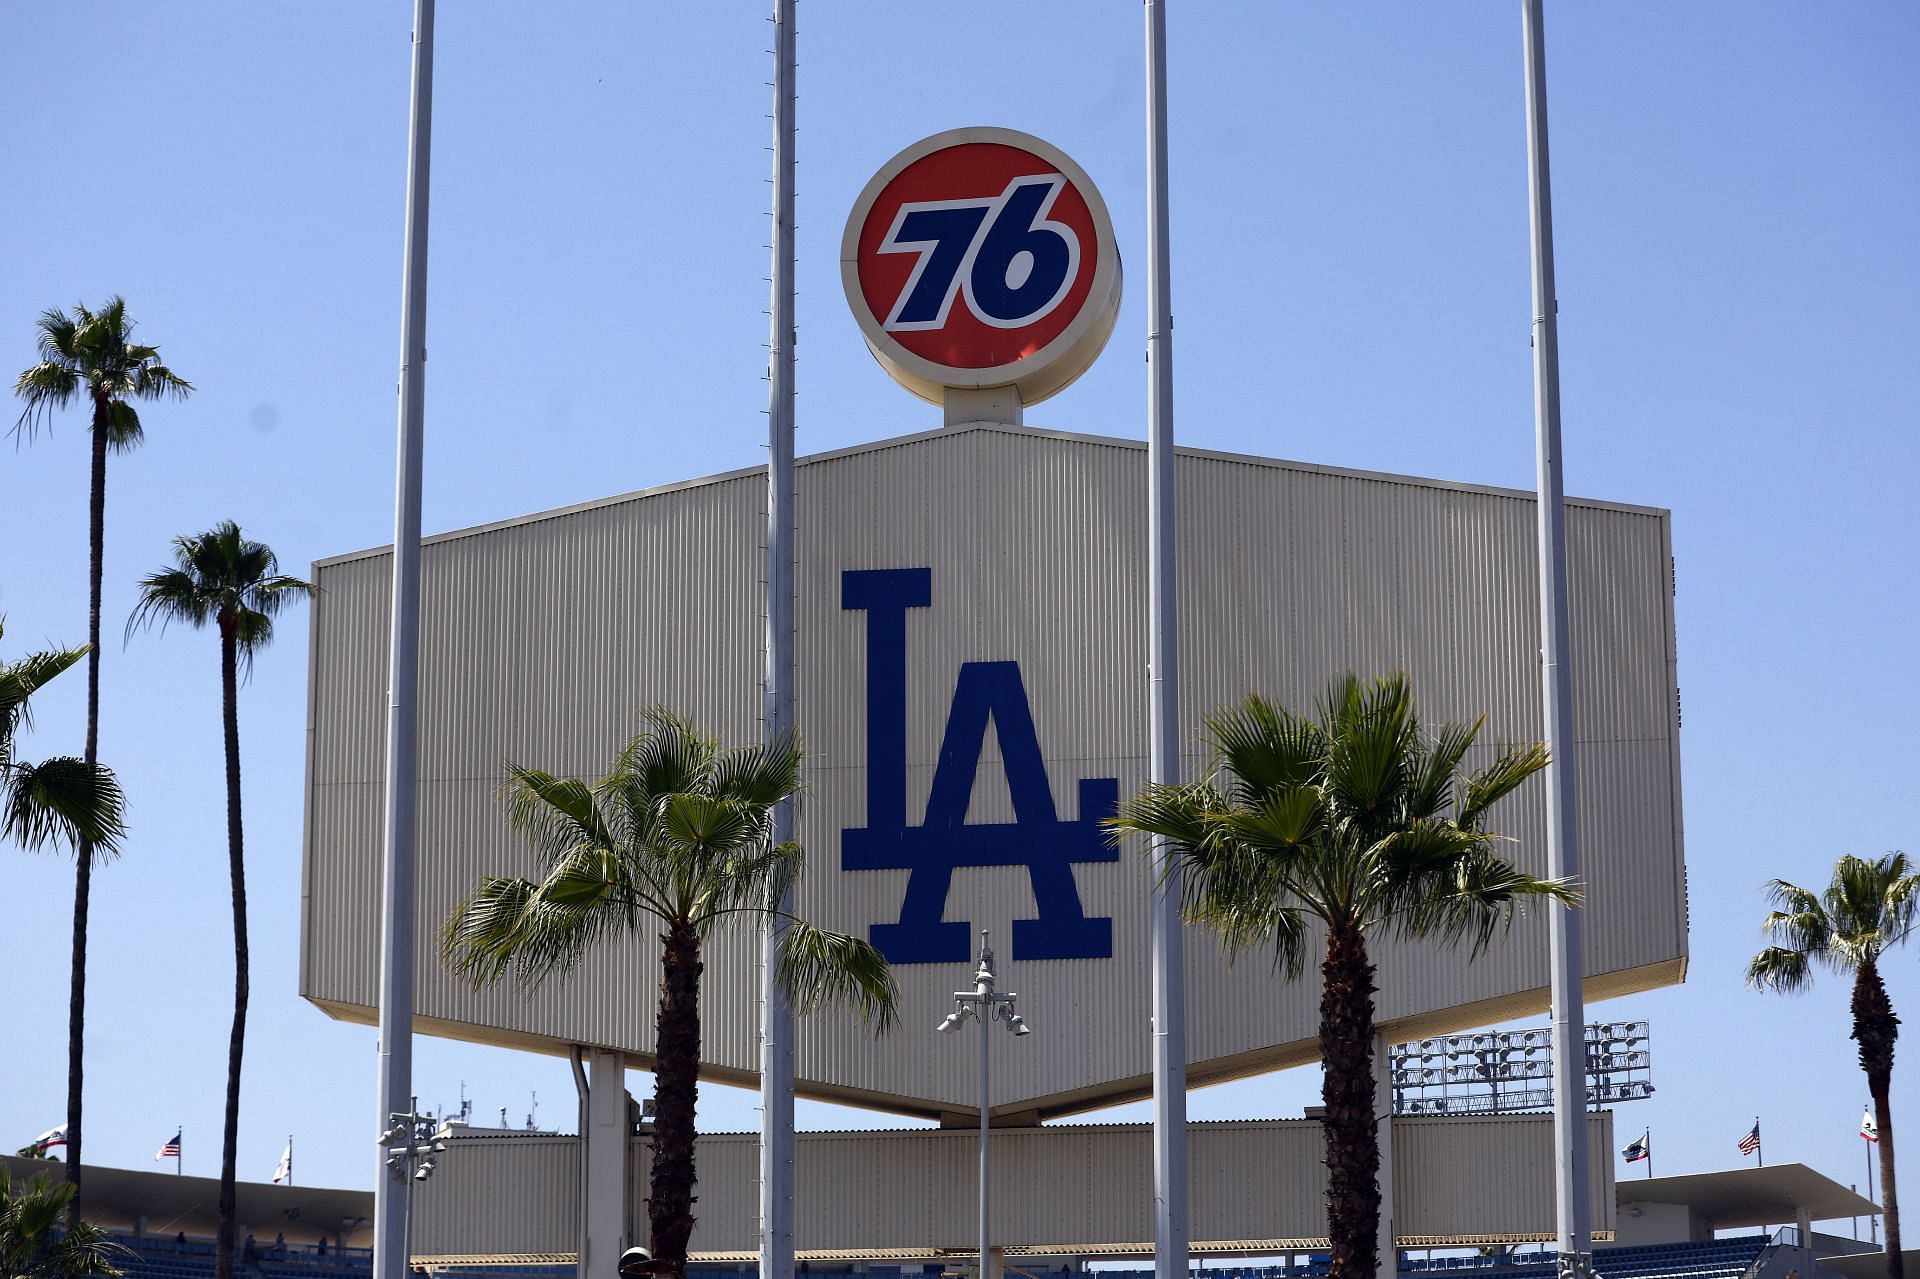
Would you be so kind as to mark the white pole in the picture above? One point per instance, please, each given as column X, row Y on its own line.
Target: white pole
column 1169, row 996
column 984, row 988
column 777, row 1022
column 1573, row 1212
column 391, row 1187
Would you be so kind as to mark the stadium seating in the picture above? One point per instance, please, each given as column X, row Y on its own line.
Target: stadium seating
column 163, row 1258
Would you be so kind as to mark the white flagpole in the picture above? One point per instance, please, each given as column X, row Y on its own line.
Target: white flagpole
column 776, row 1015
column 1170, row 1232
column 394, row 1089
column 1873, row 1218
column 1573, row 1210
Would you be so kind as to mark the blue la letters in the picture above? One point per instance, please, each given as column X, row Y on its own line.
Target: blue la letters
column 1037, row 838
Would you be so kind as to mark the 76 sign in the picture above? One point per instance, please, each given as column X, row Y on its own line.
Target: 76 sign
column 982, row 258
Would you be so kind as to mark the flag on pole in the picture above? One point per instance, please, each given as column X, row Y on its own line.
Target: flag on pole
column 1639, row 1149
column 172, row 1149
column 1868, row 1128
column 56, row 1136
column 1751, row 1142
column 283, row 1171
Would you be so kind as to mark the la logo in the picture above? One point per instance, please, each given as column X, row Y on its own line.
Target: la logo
column 1038, row 838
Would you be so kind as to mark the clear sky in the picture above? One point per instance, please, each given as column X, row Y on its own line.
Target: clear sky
column 1736, row 196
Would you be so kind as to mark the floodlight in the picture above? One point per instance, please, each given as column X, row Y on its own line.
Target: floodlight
column 1019, row 1026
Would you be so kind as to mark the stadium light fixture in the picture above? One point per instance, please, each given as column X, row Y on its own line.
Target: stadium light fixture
column 987, row 1005
column 1511, row 1070
column 412, row 1140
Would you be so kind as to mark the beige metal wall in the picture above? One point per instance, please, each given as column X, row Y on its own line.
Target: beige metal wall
column 1061, row 1188
column 544, row 636
column 490, row 1195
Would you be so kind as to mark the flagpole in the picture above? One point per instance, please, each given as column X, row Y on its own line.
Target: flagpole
column 776, row 1012
column 1170, row 1225
column 1573, row 1210
column 394, row 1078
column 1759, row 1143
column 1873, row 1218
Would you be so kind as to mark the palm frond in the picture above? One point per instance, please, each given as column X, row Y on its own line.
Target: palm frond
column 124, row 431
column 43, row 388
column 515, row 926
column 1264, row 747
column 752, row 884
column 1498, row 780
column 1434, row 778
column 1473, row 900
column 20, row 680
column 168, row 596
column 761, row 775
column 1780, row 968
column 1184, row 815
column 708, row 824
column 1370, row 728
column 556, row 815
column 815, row 967
column 63, row 802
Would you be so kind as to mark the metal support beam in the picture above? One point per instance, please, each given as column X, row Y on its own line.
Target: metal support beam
column 1573, row 1211
column 776, row 1022
column 1170, row 1228
column 394, row 1089
column 605, row 1190
column 1386, row 1247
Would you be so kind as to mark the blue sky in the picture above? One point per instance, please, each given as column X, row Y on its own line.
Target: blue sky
column 1736, row 189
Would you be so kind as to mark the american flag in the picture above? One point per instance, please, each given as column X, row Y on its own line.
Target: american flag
column 1751, row 1142
column 172, row 1149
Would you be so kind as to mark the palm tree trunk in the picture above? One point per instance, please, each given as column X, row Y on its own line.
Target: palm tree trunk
column 1353, row 1145
column 1875, row 1028
column 83, row 855
column 230, row 720
column 676, row 1084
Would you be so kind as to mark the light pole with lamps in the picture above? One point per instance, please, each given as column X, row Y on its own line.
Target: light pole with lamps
column 988, row 1005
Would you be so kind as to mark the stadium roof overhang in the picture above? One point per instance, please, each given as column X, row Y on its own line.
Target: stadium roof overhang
column 165, row 1203
column 1743, row 1197
column 1871, row 1265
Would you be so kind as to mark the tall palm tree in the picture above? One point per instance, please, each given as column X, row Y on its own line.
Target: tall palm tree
column 91, row 356
column 221, row 577
column 61, row 801
column 1363, row 822
column 32, row 1244
column 1866, row 910
column 676, row 836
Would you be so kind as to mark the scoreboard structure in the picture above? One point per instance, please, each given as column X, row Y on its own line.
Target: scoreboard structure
column 972, row 699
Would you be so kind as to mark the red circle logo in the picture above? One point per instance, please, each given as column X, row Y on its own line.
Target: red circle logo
column 980, row 258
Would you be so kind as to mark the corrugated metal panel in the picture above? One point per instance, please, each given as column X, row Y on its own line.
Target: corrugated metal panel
column 500, row 1195
column 545, row 636
column 1065, row 1185
column 1490, row 1176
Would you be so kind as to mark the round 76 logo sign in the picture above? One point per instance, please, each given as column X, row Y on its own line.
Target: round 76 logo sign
column 982, row 258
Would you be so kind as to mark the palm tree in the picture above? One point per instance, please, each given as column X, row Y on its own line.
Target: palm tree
column 221, row 577
column 61, row 801
column 676, row 836
column 32, row 1244
column 90, row 355
column 1866, row 910
column 1361, row 821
